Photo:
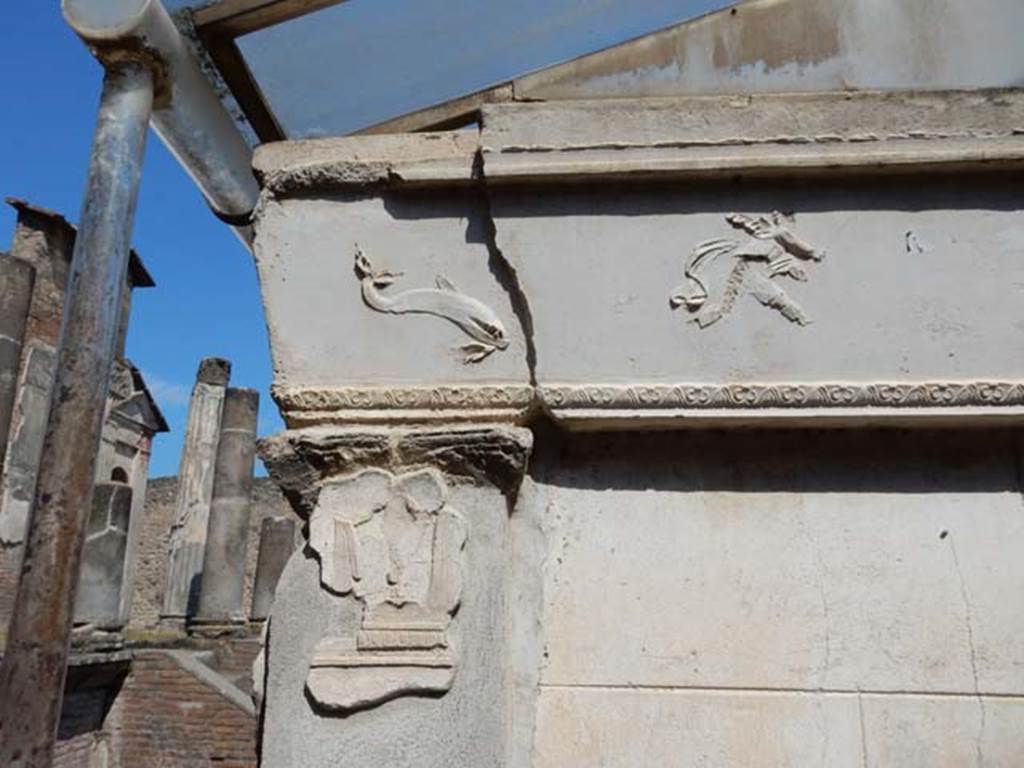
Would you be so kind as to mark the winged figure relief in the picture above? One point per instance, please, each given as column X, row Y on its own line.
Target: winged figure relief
column 718, row 272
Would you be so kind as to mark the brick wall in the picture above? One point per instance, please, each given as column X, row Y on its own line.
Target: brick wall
column 81, row 737
column 158, row 716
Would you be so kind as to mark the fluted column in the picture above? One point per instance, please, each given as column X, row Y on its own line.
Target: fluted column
column 195, row 490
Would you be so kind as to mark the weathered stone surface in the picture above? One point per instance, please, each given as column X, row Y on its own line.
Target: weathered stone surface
column 799, row 119
column 395, row 544
column 466, row 726
column 152, row 557
column 729, row 597
column 299, row 460
column 276, row 544
column 711, row 330
column 25, row 442
column 813, row 561
column 223, row 577
column 625, row 728
column 372, row 162
column 215, row 371
column 802, row 45
column 133, row 420
column 98, row 600
column 463, row 335
column 17, row 278
column 195, row 489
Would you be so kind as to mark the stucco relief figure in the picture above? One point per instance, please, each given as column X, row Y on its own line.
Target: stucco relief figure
column 474, row 317
column 719, row 271
column 396, row 546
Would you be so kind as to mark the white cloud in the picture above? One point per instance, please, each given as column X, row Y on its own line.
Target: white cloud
column 167, row 393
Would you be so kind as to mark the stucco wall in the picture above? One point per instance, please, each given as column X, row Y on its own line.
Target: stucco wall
column 780, row 598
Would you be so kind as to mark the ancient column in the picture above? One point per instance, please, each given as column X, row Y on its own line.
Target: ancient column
column 277, row 542
column 223, row 577
column 98, row 600
column 16, row 280
column 195, row 490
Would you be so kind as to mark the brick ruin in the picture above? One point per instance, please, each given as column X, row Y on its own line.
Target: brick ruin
column 178, row 573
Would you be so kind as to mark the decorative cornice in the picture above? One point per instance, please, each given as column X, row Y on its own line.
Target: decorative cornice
column 299, row 460
column 973, row 394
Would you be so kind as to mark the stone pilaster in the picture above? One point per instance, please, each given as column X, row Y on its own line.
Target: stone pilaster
column 98, row 599
column 195, row 490
column 223, row 577
column 387, row 634
column 277, row 542
column 25, row 440
column 17, row 278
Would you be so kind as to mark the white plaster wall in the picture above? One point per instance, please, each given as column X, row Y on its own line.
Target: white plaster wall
column 598, row 267
column 322, row 334
column 773, row 598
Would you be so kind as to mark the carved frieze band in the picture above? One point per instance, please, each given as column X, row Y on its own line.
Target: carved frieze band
column 511, row 401
column 975, row 394
column 442, row 398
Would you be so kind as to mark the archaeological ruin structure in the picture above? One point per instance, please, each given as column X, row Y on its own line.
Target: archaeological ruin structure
column 128, row 652
column 656, row 407
column 33, row 279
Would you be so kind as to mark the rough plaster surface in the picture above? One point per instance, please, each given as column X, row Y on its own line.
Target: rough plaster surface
column 465, row 727
column 803, row 45
column 151, row 567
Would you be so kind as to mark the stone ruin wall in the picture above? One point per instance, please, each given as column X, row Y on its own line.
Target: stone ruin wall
column 151, row 573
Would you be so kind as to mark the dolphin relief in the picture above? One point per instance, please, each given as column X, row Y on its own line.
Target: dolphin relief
column 474, row 317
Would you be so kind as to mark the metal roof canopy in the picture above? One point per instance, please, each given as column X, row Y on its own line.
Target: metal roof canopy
column 463, row 53
column 291, row 64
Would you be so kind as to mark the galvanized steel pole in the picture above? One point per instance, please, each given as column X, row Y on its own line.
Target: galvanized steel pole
column 33, row 668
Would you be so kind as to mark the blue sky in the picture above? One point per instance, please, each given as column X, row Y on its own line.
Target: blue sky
column 207, row 300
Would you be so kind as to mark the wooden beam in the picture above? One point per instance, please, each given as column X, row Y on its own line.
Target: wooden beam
column 234, row 18
column 243, row 86
column 448, row 115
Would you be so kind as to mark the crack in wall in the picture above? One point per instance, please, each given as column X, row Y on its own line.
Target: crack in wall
column 969, row 621
column 506, row 273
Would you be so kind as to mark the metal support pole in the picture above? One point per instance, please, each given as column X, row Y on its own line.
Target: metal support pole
column 33, row 669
